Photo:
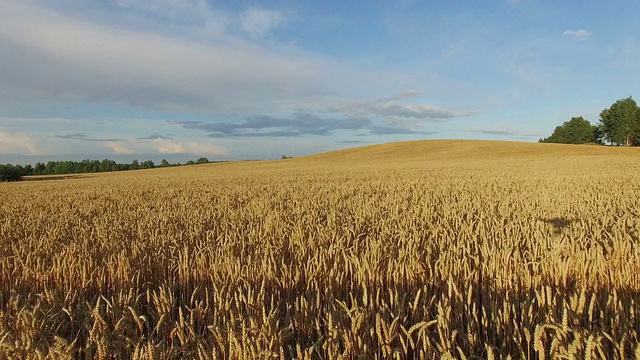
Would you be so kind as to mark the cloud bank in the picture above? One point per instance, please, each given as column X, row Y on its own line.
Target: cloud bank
column 384, row 116
column 84, row 137
column 301, row 123
column 48, row 55
column 17, row 143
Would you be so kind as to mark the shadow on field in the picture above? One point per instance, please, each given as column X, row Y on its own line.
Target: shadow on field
column 559, row 223
column 56, row 177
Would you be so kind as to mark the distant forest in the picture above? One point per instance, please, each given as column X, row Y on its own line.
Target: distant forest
column 10, row 172
column 619, row 125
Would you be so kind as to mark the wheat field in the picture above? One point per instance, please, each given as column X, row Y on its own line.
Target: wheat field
column 413, row 250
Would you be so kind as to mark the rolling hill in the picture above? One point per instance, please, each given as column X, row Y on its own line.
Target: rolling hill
column 383, row 251
column 466, row 150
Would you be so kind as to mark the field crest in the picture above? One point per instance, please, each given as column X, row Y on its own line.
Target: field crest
column 467, row 150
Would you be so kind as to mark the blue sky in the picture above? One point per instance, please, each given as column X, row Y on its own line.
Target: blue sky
column 237, row 80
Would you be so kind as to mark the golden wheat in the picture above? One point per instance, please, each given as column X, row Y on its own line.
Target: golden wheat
column 413, row 250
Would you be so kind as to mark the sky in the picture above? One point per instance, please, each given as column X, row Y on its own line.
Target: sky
column 237, row 80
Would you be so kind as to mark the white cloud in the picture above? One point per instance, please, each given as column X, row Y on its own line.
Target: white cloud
column 390, row 109
column 579, row 34
column 182, row 9
column 166, row 146
column 194, row 17
column 258, row 22
column 119, row 149
column 53, row 56
column 169, row 147
column 16, row 143
column 406, row 94
column 205, row 149
column 68, row 54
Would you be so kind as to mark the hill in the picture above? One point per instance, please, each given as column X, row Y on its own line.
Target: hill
column 466, row 150
column 469, row 154
column 383, row 251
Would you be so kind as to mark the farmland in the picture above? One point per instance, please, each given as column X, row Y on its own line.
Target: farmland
column 428, row 249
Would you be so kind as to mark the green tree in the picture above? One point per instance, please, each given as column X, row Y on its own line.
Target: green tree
column 49, row 168
column 114, row 166
column 84, row 166
column 65, row 167
column 203, row 160
column 28, row 170
column 39, row 169
column 147, row 164
column 575, row 131
column 620, row 123
column 10, row 173
column 105, row 166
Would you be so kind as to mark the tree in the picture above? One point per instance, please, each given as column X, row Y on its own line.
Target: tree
column 113, row 166
column 28, row 170
column 10, row 173
column 105, row 166
column 164, row 163
column 147, row 164
column 575, row 131
column 84, row 166
column 39, row 169
column 49, row 168
column 203, row 160
column 621, row 123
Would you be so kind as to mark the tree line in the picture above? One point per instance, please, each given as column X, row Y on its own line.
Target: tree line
column 9, row 172
column 619, row 125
